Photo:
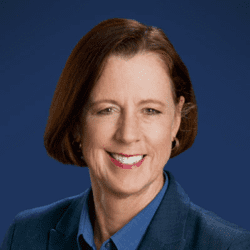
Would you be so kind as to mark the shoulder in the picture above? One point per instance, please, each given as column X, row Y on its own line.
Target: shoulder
column 51, row 211
column 33, row 225
column 206, row 227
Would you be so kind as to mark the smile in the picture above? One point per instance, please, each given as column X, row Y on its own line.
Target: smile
column 126, row 162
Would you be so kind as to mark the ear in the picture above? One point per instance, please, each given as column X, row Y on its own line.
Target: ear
column 177, row 117
column 77, row 132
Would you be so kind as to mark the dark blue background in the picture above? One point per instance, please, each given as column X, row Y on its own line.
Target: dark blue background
column 212, row 38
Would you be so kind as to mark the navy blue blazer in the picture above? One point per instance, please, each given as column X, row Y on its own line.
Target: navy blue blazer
column 177, row 224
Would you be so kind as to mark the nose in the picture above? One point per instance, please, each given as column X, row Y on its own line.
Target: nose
column 128, row 128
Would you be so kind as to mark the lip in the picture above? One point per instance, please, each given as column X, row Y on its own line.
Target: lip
column 125, row 154
column 126, row 166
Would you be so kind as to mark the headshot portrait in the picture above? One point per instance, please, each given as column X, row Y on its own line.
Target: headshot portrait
column 123, row 107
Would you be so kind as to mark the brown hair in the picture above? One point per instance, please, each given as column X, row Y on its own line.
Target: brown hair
column 120, row 37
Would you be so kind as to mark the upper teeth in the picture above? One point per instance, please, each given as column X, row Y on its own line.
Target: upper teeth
column 127, row 160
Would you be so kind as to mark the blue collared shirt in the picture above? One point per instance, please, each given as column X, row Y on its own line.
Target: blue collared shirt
column 128, row 237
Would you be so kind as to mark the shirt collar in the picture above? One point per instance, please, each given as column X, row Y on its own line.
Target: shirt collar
column 131, row 234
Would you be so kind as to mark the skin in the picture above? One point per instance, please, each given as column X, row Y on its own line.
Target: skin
column 120, row 194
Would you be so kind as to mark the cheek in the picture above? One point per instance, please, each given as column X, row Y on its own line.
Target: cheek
column 95, row 136
column 161, row 141
column 159, row 133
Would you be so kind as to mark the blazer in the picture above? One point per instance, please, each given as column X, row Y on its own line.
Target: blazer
column 177, row 224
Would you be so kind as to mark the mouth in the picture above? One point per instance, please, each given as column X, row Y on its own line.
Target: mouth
column 126, row 165
column 122, row 155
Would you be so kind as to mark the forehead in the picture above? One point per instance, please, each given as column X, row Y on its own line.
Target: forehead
column 148, row 61
column 143, row 76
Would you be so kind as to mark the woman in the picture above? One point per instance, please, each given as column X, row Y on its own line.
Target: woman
column 123, row 98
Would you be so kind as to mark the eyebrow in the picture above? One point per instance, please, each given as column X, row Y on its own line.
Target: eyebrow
column 144, row 101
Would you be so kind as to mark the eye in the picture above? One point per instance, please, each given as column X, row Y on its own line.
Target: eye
column 155, row 113
column 102, row 112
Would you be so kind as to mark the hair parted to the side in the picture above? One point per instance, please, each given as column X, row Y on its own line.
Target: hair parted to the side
column 119, row 37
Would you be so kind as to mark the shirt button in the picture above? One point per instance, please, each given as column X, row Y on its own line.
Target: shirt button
column 107, row 245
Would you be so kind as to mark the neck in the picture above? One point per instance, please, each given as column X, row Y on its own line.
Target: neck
column 113, row 211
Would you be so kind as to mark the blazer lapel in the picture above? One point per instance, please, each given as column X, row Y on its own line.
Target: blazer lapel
column 165, row 232
column 64, row 236
column 167, row 228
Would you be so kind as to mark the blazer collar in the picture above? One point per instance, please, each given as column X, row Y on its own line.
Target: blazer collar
column 64, row 236
column 166, row 230
column 168, row 226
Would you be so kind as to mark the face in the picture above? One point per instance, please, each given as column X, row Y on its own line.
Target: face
column 124, row 124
